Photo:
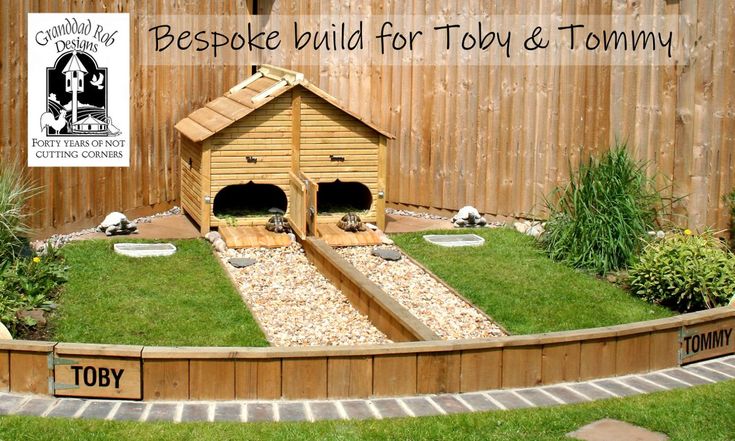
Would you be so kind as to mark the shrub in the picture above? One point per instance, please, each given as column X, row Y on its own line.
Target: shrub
column 602, row 214
column 685, row 272
column 29, row 283
column 15, row 190
column 731, row 199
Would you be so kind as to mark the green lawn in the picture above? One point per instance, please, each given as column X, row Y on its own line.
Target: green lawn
column 702, row 413
column 516, row 284
column 182, row 300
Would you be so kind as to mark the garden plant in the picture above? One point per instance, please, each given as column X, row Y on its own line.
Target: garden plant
column 598, row 220
column 685, row 271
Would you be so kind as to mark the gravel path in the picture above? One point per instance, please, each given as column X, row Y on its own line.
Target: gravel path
column 441, row 310
column 295, row 304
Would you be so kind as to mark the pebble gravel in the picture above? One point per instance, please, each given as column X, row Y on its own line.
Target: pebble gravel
column 296, row 305
column 448, row 315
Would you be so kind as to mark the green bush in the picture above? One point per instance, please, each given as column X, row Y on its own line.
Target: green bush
column 602, row 215
column 731, row 200
column 15, row 190
column 685, row 272
column 29, row 283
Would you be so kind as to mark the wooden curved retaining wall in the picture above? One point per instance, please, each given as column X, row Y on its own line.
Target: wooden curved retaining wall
column 169, row 373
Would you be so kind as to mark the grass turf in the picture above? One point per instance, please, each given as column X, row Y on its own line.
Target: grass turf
column 700, row 413
column 182, row 300
column 515, row 283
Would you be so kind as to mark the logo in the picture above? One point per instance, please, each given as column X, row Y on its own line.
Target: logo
column 78, row 90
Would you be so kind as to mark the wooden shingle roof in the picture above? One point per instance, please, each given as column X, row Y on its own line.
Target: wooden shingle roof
column 264, row 86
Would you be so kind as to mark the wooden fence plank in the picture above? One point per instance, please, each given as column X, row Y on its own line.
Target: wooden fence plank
column 438, row 373
column 29, row 372
column 522, row 366
column 305, row 378
column 633, row 354
column 481, row 370
column 4, row 371
column 212, row 380
column 349, row 377
column 394, row 375
column 597, row 359
column 165, row 379
column 561, row 363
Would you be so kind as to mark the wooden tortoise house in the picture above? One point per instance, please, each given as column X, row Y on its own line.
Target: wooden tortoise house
column 277, row 141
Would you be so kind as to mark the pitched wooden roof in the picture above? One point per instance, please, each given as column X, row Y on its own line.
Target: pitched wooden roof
column 264, row 86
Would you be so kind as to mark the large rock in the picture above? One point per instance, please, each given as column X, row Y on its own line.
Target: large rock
column 4, row 333
column 220, row 245
column 212, row 236
column 37, row 315
column 241, row 262
column 117, row 223
column 468, row 216
column 386, row 253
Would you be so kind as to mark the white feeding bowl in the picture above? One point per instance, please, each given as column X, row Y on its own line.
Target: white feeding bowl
column 455, row 240
column 145, row 249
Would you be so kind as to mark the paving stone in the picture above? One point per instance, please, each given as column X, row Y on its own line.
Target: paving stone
column 479, row 402
column 565, row 394
column 129, row 411
column 421, row 406
column 616, row 388
column 685, row 376
column 389, row 408
column 509, row 400
column 66, row 408
column 386, row 253
column 35, row 406
column 706, row 373
column 324, row 410
column 228, row 412
column 241, row 262
column 97, row 410
column 537, row 397
column 664, row 381
column 591, row 391
column 608, row 429
column 450, row 404
column 730, row 361
column 641, row 384
column 195, row 412
column 258, row 412
column 291, row 412
column 722, row 367
column 357, row 410
column 8, row 403
column 162, row 412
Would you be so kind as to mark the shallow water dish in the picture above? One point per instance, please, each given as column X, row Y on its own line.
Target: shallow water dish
column 145, row 249
column 455, row 240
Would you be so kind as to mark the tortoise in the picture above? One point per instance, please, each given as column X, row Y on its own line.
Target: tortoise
column 278, row 224
column 351, row 222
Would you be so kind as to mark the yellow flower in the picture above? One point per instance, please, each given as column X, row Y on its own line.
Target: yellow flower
column 688, row 232
column 36, row 259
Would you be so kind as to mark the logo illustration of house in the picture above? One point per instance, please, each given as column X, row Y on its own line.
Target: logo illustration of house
column 77, row 98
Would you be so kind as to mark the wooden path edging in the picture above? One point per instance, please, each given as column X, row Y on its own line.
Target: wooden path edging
column 386, row 314
column 397, row 369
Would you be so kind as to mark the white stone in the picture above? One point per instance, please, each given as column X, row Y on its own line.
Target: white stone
column 386, row 240
column 4, row 333
column 114, row 218
column 220, row 245
column 521, row 227
column 212, row 236
column 372, row 226
column 535, row 230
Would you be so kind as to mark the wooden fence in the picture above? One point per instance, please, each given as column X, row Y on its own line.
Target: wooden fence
column 497, row 137
column 397, row 369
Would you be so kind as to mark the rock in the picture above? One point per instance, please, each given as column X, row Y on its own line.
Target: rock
column 386, row 253
column 113, row 218
column 117, row 223
column 371, row 226
column 37, row 315
column 276, row 210
column 660, row 234
column 468, row 216
column 4, row 333
column 212, row 236
column 535, row 230
column 612, row 278
column 241, row 262
column 386, row 240
column 220, row 245
column 292, row 237
column 521, row 227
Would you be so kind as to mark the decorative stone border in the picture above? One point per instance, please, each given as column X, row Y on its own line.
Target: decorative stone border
column 398, row 369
